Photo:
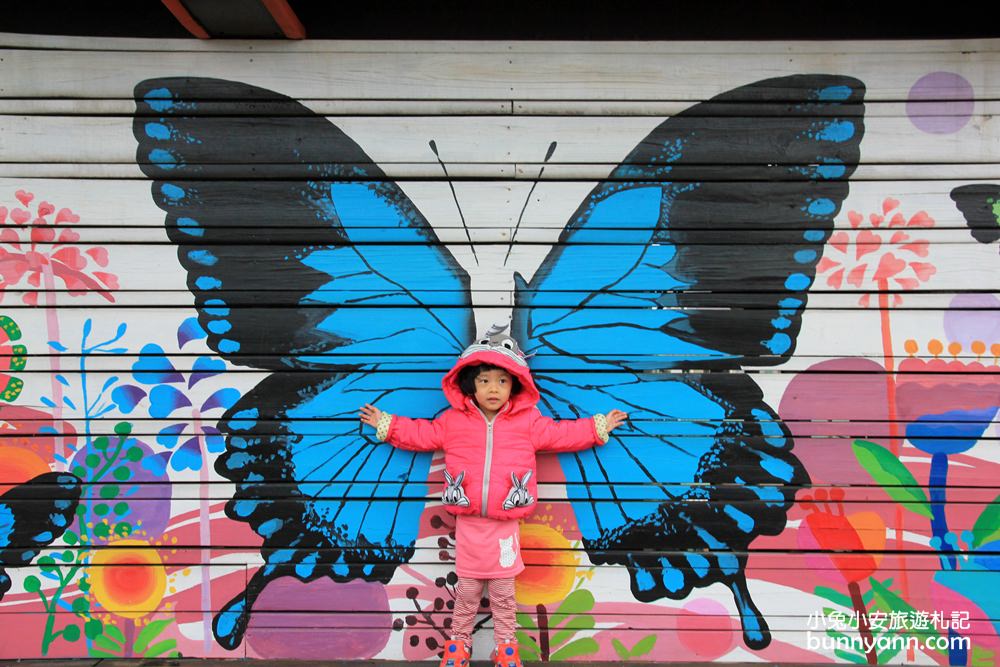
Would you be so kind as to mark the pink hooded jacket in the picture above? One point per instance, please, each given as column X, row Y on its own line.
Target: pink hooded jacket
column 490, row 467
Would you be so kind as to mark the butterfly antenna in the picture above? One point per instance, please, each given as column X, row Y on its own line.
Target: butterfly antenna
column 548, row 156
column 455, row 197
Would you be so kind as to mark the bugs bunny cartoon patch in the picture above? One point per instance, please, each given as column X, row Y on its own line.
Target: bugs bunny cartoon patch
column 454, row 494
column 518, row 495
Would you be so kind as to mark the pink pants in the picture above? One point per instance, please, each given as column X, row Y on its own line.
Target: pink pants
column 468, row 593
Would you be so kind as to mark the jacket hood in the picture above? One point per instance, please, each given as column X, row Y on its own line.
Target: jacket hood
column 494, row 355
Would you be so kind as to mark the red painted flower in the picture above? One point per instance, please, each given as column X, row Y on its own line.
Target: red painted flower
column 882, row 251
column 38, row 247
column 852, row 542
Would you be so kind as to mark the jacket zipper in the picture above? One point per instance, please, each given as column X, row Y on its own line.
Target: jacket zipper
column 489, row 461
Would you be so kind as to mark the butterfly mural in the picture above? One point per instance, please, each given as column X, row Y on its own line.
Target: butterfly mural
column 32, row 516
column 305, row 260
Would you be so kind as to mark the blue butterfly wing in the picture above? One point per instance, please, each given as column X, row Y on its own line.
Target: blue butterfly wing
column 283, row 280
column 639, row 287
column 32, row 516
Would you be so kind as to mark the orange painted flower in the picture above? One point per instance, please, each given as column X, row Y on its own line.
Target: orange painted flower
column 32, row 432
column 18, row 465
column 549, row 566
column 883, row 252
column 128, row 578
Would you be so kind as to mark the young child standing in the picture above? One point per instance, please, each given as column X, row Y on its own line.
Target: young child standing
column 489, row 437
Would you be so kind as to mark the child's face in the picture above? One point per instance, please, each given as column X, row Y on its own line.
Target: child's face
column 493, row 390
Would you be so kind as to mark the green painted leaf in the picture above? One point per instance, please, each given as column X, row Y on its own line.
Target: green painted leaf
column 620, row 649
column 113, row 632
column 577, row 602
column 526, row 621
column 833, row 596
column 894, row 477
column 888, row 600
column 851, row 657
column 161, row 648
column 527, row 646
column 101, row 654
column 987, row 527
column 105, row 643
column 836, row 634
column 572, row 626
column 149, row 633
column 644, row 646
column 577, row 647
column 888, row 654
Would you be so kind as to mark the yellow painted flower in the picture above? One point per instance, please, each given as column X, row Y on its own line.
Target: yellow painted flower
column 128, row 578
column 549, row 566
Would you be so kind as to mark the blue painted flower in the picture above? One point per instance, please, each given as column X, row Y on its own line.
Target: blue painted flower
column 169, row 398
column 950, row 432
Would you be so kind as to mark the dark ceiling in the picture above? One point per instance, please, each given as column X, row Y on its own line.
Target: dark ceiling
column 511, row 19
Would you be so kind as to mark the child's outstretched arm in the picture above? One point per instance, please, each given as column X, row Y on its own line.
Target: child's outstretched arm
column 403, row 432
column 573, row 435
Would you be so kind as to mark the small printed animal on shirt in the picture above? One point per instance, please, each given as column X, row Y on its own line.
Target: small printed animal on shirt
column 454, row 494
column 508, row 550
column 518, row 495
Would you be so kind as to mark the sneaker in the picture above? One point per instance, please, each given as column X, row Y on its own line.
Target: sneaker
column 506, row 655
column 456, row 654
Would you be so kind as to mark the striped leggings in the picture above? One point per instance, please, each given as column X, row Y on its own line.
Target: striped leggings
column 468, row 593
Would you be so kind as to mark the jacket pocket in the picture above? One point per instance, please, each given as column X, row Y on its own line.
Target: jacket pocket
column 453, row 493
column 518, row 495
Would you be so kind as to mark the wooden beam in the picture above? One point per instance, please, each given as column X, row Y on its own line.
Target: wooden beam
column 286, row 19
column 181, row 13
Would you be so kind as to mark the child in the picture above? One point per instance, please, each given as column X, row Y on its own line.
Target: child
column 489, row 436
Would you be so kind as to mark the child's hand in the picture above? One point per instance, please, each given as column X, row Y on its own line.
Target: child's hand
column 370, row 415
column 615, row 418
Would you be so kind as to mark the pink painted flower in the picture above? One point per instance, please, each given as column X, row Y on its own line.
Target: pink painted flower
column 40, row 244
column 881, row 251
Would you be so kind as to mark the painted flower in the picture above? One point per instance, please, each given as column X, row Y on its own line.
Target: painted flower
column 128, row 578
column 946, row 404
column 168, row 393
column 881, row 251
column 27, row 442
column 18, row 465
column 549, row 566
column 13, row 357
column 853, row 542
column 38, row 247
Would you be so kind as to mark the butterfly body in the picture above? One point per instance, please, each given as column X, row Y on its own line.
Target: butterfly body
column 661, row 327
